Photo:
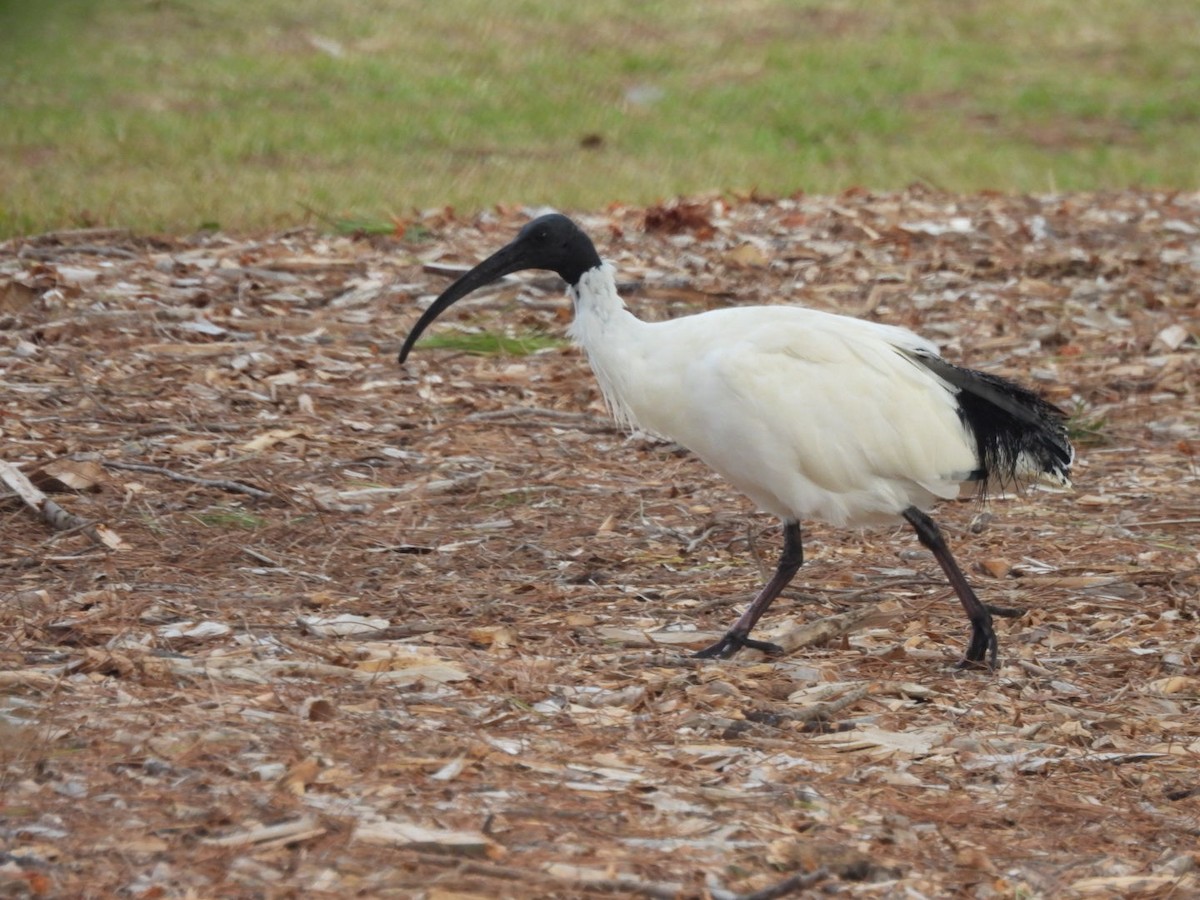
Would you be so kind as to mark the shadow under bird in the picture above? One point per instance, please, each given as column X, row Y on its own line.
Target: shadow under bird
column 812, row 415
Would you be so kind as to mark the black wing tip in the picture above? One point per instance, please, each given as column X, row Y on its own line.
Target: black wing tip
column 1019, row 435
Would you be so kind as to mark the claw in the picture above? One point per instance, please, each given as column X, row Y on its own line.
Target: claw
column 982, row 651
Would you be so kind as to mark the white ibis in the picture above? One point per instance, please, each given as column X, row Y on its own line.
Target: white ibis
column 812, row 415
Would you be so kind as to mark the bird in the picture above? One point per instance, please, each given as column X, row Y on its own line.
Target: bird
column 813, row 415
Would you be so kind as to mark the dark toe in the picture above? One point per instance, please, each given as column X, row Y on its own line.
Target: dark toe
column 983, row 649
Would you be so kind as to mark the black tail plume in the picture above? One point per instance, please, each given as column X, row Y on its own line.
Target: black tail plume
column 1019, row 436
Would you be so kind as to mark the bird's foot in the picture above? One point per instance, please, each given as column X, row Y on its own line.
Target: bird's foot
column 1005, row 612
column 732, row 642
column 982, row 651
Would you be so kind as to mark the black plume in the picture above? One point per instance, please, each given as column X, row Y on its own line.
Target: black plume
column 1018, row 435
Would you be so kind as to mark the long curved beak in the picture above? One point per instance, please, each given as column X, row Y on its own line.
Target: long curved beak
column 508, row 259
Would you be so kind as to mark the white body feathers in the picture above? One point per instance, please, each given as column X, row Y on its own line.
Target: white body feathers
column 812, row 415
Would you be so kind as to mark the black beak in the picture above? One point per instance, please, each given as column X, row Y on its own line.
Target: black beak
column 550, row 242
column 505, row 261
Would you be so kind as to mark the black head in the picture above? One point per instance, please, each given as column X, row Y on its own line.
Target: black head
column 550, row 242
column 556, row 243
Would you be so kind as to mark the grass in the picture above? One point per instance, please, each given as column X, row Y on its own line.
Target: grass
column 1085, row 428
column 183, row 114
column 486, row 343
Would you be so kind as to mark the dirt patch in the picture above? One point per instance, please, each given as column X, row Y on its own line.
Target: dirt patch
column 378, row 631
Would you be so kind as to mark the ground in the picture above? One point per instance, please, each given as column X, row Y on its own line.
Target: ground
column 356, row 629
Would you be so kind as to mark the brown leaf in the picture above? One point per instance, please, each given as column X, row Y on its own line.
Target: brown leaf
column 678, row 217
column 299, row 776
column 996, row 566
column 498, row 637
column 748, row 256
column 270, row 439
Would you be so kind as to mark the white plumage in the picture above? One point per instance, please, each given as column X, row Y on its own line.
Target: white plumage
column 784, row 402
column 812, row 415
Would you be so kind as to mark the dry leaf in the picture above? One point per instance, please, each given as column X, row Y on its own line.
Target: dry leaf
column 450, row 770
column 1176, row 684
column 69, row 475
column 270, row 439
column 996, row 566
column 437, row 893
column 591, row 738
column 435, row 672
column 975, row 858
column 748, row 256
column 299, row 776
column 1173, row 336
column 110, row 538
column 261, row 836
column 317, row 709
column 679, row 217
column 1133, row 885
column 498, row 637
column 914, row 741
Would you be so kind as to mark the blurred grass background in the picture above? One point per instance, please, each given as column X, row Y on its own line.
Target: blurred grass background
column 175, row 115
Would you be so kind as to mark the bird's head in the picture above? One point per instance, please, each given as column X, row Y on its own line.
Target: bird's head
column 550, row 242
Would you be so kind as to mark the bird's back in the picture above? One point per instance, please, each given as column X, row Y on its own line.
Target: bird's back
column 812, row 415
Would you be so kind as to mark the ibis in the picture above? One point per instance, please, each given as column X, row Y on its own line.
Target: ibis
column 812, row 415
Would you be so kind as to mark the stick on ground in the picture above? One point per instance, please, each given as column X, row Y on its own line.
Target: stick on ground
column 53, row 514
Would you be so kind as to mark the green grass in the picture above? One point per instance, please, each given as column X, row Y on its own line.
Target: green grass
column 486, row 343
column 1085, row 428
column 181, row 114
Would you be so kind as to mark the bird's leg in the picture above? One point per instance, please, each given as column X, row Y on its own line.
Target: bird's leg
column 738, row 637
column 983, row 636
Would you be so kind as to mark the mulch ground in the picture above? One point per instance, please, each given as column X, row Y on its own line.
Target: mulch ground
column 355, row 629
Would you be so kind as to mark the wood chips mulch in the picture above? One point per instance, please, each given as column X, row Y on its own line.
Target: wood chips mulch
column 312, row 624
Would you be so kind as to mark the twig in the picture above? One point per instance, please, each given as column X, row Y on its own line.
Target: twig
column 335, row 655
column 539, row 411
column 790, row 885
column 1155, row 522
column 45, row 253
column 824, row 631
column 399, row 632
column 825, row 711
column 65, row 235
column 53, row 514
column 30, row 679
column 818, row 709
column 220, row 483
column 261, row 557
column 302, row 829
column 667, row 891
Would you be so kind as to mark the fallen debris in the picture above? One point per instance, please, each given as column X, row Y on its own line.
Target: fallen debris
column 427, row 629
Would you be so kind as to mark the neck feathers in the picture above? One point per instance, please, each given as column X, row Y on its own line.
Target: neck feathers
column 595, row 295
column 611, row 336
